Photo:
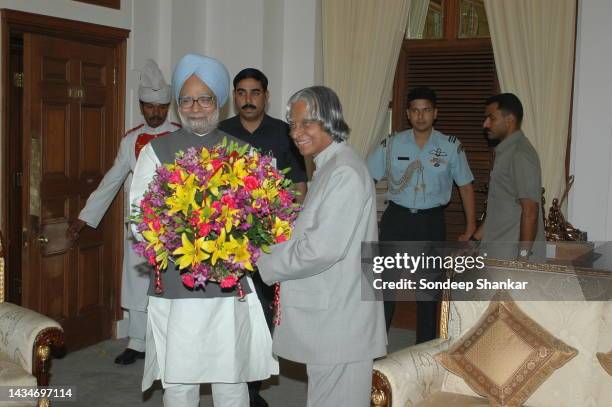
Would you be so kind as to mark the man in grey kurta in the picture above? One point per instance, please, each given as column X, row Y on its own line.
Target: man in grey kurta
column 325, row 322
column 514, row 214
column 200, row 336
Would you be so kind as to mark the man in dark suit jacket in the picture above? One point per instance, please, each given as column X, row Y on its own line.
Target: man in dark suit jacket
column 271, row 136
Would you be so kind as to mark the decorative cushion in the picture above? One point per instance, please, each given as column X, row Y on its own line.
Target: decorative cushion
column 444, row 399
column 606, row 361
column 506, row 355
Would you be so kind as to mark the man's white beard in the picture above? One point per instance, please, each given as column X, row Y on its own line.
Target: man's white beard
column 200, row 125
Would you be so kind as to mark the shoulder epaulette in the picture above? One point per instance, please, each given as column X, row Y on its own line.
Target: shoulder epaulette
column 452, row 139
column 459, row 148
column 133, row 129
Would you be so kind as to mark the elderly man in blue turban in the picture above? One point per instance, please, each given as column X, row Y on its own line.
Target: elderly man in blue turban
column 200, row 336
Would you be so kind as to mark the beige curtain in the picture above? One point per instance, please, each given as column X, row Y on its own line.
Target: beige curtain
column 416, row 19
column 361, row 45
column 533, row 44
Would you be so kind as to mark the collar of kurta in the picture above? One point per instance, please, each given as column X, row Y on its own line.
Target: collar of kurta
column 509, row 141
column 325, row 155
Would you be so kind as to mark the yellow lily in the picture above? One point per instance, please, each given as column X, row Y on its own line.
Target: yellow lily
column 281, row 228
column 235, row 174
column 153, row 238
column 192, row 253
column 183, row 197
column 217, row 248
column 215, row 182
column 242, row 254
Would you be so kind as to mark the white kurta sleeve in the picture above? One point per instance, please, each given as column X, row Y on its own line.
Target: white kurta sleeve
column 100, row 199
column 337, row 212
column 143, row 174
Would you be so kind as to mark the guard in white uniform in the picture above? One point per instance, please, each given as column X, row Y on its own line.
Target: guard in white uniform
column 200, row 336
column 155, row 96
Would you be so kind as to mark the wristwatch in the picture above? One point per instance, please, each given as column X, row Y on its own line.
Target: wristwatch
column 524, row 253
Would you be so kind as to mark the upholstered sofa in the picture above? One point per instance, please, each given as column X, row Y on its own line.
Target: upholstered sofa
column 413, row 377
column 27, row 339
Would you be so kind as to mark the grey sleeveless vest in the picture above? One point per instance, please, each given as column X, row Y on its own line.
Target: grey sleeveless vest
column 165, row 149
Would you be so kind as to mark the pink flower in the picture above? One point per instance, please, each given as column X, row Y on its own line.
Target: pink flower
column 250, row 182
column 229, row 281
column 151, row 260
column 204, row 229
column 195, row 218
column 216, row 165
column 281, row 239
column 229, row 201
column 156, row 224
column 188, row 280
column 285, row 197
column 175, row 177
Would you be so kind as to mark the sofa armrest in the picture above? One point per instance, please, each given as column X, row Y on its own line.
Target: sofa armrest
column 27, row 337
column 406, row 377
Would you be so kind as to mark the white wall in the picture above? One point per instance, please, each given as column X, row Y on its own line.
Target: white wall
column 300, row 47
column 590, row 200
column 74, row 10
column 277, row 36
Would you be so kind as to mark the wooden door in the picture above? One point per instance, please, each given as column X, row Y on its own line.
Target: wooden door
column 68, row 143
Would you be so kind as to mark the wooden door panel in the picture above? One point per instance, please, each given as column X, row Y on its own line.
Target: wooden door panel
column 70, row 100
column 90, row 279
column 53, row 278
column 92, row 145
column 56, row 140
column 94, row 74
column 55, row 69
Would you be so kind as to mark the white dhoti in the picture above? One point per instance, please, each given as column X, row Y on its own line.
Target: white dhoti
column 216, row 340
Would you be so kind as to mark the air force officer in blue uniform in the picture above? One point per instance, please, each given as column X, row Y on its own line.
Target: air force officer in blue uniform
column 420, row 166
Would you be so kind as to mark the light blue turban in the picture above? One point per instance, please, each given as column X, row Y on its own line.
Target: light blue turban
column 210, row 71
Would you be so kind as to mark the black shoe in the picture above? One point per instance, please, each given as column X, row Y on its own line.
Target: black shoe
column 129, row 356
column 258, row 401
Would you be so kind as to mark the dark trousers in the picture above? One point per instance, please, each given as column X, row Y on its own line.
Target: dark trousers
column 265, row 293
column 400, row 224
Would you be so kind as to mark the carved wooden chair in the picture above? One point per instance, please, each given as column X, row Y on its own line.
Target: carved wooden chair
column 27, row 339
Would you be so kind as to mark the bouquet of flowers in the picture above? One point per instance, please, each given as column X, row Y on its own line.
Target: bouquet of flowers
column 212, row 213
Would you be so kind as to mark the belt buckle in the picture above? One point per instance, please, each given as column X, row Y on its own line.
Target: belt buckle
column 413, row 210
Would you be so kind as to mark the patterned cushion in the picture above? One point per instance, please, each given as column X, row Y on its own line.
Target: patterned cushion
column 444, row 399
column 506, row 355
column 606, row 361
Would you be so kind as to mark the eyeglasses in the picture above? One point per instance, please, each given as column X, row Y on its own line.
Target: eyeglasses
column 427, row 110
column 205, row 101
column 304, row 124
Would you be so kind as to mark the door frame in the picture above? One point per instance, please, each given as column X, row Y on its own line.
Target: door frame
column 14, row 22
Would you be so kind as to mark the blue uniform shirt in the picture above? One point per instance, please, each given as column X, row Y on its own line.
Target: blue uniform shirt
column 442, row 161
